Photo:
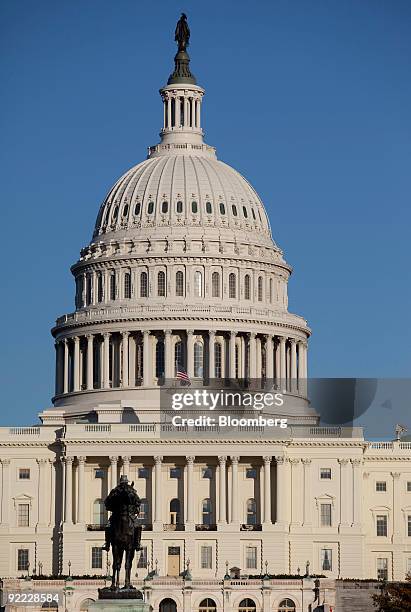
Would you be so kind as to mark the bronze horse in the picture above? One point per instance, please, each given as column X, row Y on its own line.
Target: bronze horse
column 123, row 532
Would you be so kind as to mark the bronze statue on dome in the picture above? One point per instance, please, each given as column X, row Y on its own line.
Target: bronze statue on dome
column 182, row 33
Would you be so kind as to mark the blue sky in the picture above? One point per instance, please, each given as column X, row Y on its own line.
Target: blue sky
column 310, row 100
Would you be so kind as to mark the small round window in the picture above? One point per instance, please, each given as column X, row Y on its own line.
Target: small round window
column 179, row 206
column 150, row 208
column 164, row 207
column 209, row 208
column 125, row 210
column 245, row 212
column 222, row 208
column 137, row 209
column 234, row 209
column 194, row 206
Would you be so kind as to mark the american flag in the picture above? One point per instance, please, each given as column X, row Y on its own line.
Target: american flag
column 182, row 376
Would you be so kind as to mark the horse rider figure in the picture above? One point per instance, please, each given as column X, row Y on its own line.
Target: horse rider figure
column 123, row 498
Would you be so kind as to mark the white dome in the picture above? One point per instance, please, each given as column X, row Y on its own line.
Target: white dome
column 174, row 190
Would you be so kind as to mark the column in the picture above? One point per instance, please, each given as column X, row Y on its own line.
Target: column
column 126, row 466
column 68, row 506
column 113, row 472
column 344, row 494
column 211, row 354
column 90, row 338
column 357, row 492
column 232, row 354
column 76, row 364
column 267, row 490
column 168, row 349
column 168, row 102
column 277, row 361
column 177, row 111
column 281, row 491
column 293, row 365
column 198, row 113
column 190, row 492
column 80, row 492
column 190, row 353
column 269, row 352
column 252, row 359
column 5, row 508
column 58, row 368
column 44, row 491
column 66, row 368
column 283, row 366
column 147, row 365
column 106, row 360
column 302, row 368
column 235, row 520
column 307, row 493
column 158, row 515
column 124, row 344
column 222, row 486
column 296, row 490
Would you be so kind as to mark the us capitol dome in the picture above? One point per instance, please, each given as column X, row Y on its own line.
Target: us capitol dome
column 182, row 272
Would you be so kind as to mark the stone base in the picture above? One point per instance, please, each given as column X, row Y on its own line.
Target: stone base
column 119, row 605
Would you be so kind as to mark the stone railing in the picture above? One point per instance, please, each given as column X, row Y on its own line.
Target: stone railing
column 27, row 434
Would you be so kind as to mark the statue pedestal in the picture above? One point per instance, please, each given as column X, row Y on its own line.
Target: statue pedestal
column 120, row 605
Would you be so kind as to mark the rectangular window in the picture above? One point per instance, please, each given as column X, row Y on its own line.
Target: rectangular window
column 251, row 473
column 96, row 558
column 382, row 525
column 409, row 486
column 382, row 568
column 24, row 474
column 175, row 472
column 99, row 473
column 22, row 559
column 409, row 525
column 206, row 473
column 409, row 565
column 142, row 472
column 23, row 515
column 325, row 515
column 142, row 562
column 325, row 473
column 381, row 486
column 251, row 557
column 206, row 557
column 326, row 559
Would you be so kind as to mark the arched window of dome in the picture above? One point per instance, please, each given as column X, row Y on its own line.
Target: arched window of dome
column 247, row 287
column 222, row 208
column 207, row 605
column 179, row 284
column 259, row 215
column 234, row 209
column 144, row 284
column 161, row 284
column 160, row 360
column 164, row 207
column 287, row 605
column 89, row 289
column 179, row 357
column 100, row 287
column 253, row 213
column 251, row 512
column 198, row 360
column 247, row 605
column 150, row 208
column 125, row 210
column 194, row 207
column 206, row 512
column 144, row 509
column 112, row 286
column 173, row 112
column 271, row 290
column 260, row 289
column 232, row 285
column 105, row 216
column 115, row 213
column 179, row 207
column 245, row 213
column 217, row 360
column 137, row 209
column 198, row 284
column 175, row 511
column 99, row 513
column 209, row 208
column 127, row 285
column 215, row 284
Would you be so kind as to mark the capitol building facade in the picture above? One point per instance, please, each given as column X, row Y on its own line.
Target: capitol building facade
column 182, row 276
